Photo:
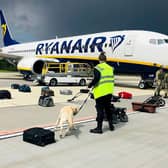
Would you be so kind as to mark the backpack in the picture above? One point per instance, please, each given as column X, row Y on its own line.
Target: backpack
column 24, row 88
column 46, row 101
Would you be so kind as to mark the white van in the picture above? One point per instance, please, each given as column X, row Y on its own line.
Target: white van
column 66, row 73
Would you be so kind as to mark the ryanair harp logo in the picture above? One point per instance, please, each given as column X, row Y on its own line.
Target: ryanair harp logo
column 116, row 41
column 3, row 29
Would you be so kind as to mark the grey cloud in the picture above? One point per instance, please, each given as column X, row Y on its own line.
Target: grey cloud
column 40, row 19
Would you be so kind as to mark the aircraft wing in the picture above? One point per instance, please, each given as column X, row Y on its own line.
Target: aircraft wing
column 6, row 55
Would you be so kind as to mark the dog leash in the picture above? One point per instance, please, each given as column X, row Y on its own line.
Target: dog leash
column 77, row 95
column 84, row 101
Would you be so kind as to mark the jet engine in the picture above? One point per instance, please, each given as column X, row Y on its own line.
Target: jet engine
column 32, row 65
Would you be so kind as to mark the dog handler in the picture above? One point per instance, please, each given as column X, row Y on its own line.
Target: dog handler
column 103, row 86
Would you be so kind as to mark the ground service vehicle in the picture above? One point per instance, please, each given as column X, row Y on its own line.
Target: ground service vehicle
column 65, row 73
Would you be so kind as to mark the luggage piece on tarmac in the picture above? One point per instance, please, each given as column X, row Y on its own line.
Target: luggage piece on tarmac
column 144, row 107
column 66, row 92
column 123, row 117
column 24, row 88
column 84, row 90
column 46, row 101
column 39, row 136
column 149, row 105
column 157, row 100
column 119, row 114
column 46, row 91
column 115, row 98
column 15, row 86
column 125, row 95
column 79, row 93
column 5, row 94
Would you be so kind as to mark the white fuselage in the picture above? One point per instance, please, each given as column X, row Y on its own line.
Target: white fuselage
column 127, row 47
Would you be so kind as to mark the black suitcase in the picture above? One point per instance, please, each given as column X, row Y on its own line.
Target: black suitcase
column 5, row 94
column 15, row 86
column 45, row 101
column 39, row 136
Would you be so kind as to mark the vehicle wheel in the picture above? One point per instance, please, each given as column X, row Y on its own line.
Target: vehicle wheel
column 161, row 102
column 142, row 85
column 82, row 82
column 27, row 77
column 53, row 82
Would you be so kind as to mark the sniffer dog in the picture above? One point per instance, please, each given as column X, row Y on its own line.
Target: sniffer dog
column 66, row 116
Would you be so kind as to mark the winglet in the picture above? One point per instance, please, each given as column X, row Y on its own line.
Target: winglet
column 7, row 38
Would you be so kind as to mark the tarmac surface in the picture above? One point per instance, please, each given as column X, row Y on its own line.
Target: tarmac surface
column 139, row 143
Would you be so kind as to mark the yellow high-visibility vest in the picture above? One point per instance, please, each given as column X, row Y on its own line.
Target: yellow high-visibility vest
column 105, row 85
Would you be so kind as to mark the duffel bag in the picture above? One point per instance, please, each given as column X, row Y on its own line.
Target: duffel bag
column 15, row 86
column 39, row 136
column 24, row 88
column 125, row 95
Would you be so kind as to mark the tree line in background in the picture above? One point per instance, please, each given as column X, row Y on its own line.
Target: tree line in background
column 6, row 66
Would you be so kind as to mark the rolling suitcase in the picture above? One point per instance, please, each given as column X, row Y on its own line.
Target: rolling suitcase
column 39, row 136
column 45, row 101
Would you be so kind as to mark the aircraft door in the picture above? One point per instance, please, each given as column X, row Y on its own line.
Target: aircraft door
column 129, row 46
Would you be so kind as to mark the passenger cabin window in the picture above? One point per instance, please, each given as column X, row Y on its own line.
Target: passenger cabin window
column 152, row 41
column 158, row 41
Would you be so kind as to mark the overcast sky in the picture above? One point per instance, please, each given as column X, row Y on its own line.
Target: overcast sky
column 32, row 20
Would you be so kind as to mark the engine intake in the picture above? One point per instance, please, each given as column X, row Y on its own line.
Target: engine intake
column 38, row 66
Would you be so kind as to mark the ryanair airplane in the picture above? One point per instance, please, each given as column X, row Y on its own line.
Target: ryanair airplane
column 129, row 52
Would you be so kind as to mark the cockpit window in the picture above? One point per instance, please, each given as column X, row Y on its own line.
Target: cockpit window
column 158, row 41
column 166, row 40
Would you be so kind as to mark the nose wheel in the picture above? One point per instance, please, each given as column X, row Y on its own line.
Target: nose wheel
column 142, row 85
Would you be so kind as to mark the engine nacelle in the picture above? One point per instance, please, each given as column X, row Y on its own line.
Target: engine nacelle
column 33, row 65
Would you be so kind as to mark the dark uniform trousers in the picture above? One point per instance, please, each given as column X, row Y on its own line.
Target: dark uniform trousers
column 103, row 106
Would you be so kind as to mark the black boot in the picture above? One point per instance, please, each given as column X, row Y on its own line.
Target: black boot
column 111, row 126
column 165, row 95
column 98, row 129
